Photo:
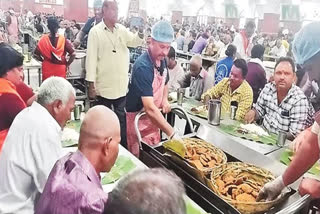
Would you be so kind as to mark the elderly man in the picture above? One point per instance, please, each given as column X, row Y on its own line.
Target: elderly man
column 33, row 145
column 176, row 73
column 148, row 191
column 74, row 184
column 148, row 90
column 226, row 39
column 243, row 39
column 282, row 105
column 198, row 77
column 108, row 62
column 306, row 50
column 89, row 24
column 278, row 50
column 233, row 90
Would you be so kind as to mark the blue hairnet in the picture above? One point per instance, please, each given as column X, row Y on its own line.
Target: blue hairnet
column 306, row 43
column 162, row 31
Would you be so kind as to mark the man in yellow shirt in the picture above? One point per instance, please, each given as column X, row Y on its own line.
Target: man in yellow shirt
column 234, row 89
column 107, row 62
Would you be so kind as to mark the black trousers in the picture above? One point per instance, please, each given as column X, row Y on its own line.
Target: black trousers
column 118, row 106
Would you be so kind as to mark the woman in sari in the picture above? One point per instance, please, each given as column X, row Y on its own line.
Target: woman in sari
column 11, row 73
column 52, row 50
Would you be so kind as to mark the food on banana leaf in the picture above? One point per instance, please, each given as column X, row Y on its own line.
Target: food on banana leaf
column 200, row 109
column 239, row 181
column 172, row 97
column 252, row 128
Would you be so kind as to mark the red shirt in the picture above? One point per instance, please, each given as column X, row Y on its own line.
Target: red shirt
column 24, row 91
column 10, row 106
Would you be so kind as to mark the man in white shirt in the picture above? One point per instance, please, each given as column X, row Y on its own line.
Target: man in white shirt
column 218, row 43
column 243, row 39
column 176, row 73
column 278, row 50
column 107, row 62
column 33, row 145
column 226, row 39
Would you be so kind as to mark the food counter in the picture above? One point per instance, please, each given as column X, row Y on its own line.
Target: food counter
column 246, row 151
column 236, row 149
column 117, row 171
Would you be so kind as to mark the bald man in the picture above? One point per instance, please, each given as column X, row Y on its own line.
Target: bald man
column 74, row 184
column 200, row 80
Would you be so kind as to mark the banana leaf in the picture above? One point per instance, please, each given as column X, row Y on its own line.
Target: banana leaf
column 203, row 115
column 122, row 167
column 287, row 156
column 74, row 124
column 69, row 143
column 176, row 146
column 234, row 131
column 172, row 97
column 189, row 103
column 191, row 209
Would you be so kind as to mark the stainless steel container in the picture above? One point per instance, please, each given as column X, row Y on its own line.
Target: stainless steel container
column 25, row 48
column 77, row 112
column 180, row 95
column 187, row 92
column 77, row 68
column 214, row 112
column 233, row 111
column 29, row 56
column 282, row 137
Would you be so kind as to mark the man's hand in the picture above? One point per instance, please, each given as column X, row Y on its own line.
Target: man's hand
column 76, row 43
column 92, row 91
column 310, row 186
column 271, row 190
column 250, row 116
column 166, row 108
column 206, row 99
column 295, row 145
column 176, row 137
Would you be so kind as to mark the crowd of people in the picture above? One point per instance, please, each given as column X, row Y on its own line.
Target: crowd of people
column 213, row 39
column 36, row 177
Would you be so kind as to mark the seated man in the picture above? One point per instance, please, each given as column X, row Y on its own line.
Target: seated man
column 233, row 89
column 33, row 145
column 256, row 72
column 74, row 184
column 176, row 73
column 278, row 50
column 224, row 66
column 198, row 79
column 149, row 191
column 282, row 105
